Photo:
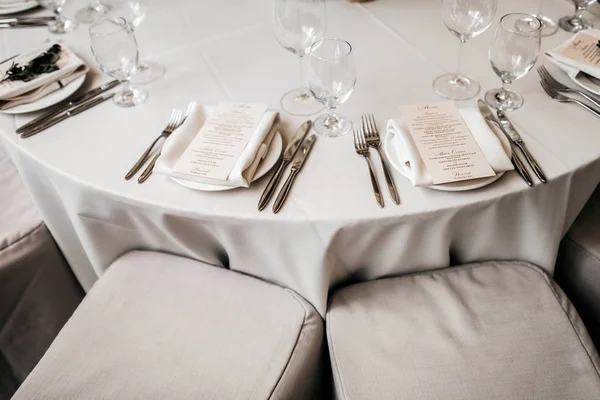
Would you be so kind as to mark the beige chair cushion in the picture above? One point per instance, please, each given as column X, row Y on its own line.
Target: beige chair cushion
column 494, row 330
column 157, row 326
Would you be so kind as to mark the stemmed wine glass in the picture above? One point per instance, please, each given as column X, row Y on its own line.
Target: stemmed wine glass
column 91, row 12
column 134, row 12
column 116, row 52
column 331, row 79
column 549, row 26
column 576, row 22
column 297, row 25
column 465, row 19
column 513, row 52
column 61, row 24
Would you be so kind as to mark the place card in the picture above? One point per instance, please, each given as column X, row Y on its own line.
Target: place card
column 446, row 145
column 583, row 48
column 220, row 142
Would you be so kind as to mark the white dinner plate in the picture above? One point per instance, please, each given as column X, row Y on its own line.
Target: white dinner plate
column 472, row 184
column 49, row 100
column 23, row 7
column 265, row 166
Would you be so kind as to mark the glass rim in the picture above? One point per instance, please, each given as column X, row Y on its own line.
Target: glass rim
column 116, row 20
column 521, row 32
column 320, row 41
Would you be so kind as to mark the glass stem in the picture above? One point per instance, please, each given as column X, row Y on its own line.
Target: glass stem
column 301, row 74
column 503, row 95
column 459, row 63
column 330, row 117
column 540, row 9
column 579, row 12
column 58, row 15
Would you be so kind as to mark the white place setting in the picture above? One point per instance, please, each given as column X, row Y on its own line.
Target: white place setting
column 308, row 144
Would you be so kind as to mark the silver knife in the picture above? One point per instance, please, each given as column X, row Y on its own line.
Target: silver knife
column 79, row 109
column 491, row 121
column 75, row 102
column 516, row 139
column 17, row 20
column 24, row 24
column 288, row 154
column 296, row 167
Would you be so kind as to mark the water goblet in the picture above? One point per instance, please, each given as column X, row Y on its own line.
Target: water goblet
column 116, row 52
column 465, row 19
column 134, row 12
column 549, row 26
column 331, row 79
column 513, row 52
column 297, row 24
column 576, row 22
column 61, row 24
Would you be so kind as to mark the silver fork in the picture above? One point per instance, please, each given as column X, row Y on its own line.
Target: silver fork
column 564, row 99
column 362, row 149
column 560, row 87
column 373, row 139
column 148, row 171
column 173, row 121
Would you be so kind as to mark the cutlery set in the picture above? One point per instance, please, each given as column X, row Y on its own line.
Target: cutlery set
column 555, row 90
column 298, row 144
column 368, row 136
column 26, row 22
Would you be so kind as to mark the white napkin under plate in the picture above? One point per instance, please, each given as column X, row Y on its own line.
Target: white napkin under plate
column 570, row 66
column 486, row 139
column 15, row 3
column 45, row 90
column 67, row 64
column 243, row 171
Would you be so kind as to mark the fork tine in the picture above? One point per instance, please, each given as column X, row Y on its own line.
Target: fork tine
column 364, row 124
column 548, row 90
column 373, row 125
column 355, row 138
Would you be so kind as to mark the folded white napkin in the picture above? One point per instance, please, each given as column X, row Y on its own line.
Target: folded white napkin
column 243, row 171
column 67, row 64
column 411, row 158
column 44, row 90
column 570, row 66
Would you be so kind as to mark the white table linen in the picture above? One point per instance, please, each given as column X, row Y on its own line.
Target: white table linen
column 330, row 230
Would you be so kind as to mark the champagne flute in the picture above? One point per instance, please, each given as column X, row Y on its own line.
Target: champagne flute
column 297, row 25
column 549, row 26
column 513, row 52
column 465, row 19
column 331, row 79
column 134, row 12
column 116, row 52
column 91, row 12
column 576, row 22
column 61, row 24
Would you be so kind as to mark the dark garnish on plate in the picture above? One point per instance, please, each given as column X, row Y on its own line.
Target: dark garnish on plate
column 42, row 64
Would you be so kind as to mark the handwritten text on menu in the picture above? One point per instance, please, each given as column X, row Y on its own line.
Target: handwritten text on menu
column 583, row 49
column 448, row 149
column 218, row 145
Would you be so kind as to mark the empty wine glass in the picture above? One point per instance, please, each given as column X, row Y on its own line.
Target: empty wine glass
column 513, row 52
column 331, row 79
column 576, row 22
column 465, row 19
column 61, row 24
column 91, row 12
column 549, row 26
column 134, row 12
column 116, row 52
column 297, row 25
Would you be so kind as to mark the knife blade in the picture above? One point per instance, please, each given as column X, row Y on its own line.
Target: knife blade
column 24, row 24
column 31, row 125
column 17, row 20
column 288, row 154
column 296, row 167
column 487, row 115
column 79, row 109
column 516, row 139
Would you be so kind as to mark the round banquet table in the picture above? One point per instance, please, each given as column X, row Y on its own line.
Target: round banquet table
column 330, row 231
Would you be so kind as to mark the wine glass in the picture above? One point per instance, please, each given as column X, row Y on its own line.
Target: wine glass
column 134, row 12
column 576, row 22
column 513, row 52
column 549, row 26
column 465, row 19
column 91, row 12
column 331, row 79
column 297, row 25
column 116, row 52
column 61, row 24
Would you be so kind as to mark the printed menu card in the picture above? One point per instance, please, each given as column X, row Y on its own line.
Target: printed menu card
column 220, row 142
column 446, row 145
column 583, row 48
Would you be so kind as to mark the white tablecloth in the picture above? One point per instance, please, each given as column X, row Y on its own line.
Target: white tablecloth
column 330, row 231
